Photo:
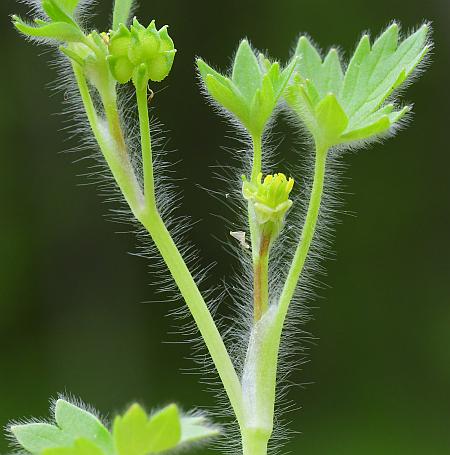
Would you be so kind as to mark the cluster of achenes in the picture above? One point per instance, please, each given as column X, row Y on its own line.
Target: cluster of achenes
column 338, row 107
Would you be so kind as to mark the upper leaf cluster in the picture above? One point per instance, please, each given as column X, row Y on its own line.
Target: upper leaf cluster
column 340, row 107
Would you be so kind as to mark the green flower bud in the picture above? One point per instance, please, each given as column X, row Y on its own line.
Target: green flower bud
column 129, row 49
column 269, row 198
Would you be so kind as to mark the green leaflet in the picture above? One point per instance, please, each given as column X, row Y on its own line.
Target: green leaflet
column 373, row 73
column 60, row 31
column 253, row 91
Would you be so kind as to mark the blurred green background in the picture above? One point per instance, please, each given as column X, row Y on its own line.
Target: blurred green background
column 72, row 316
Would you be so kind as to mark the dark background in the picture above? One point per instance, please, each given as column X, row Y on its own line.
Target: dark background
column 72, row 316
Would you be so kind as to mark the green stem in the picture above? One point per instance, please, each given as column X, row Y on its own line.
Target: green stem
column 254, row 443
column 111, row 142
column 307, row 235
column 112, row 145
column 152, row 221
column 146, row 146
column 261, row 279
column 197, row 306
column 257, row 156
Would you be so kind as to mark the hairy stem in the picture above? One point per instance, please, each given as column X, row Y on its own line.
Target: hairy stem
column 257, row 156
column 111, row 143
column 254, row 443
column 146, row 146
column 261, row 279
column 197, row 306
column 307, row 234
column 113, row 149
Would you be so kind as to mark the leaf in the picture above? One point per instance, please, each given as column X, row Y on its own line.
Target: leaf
column 164, row 429
column 81, row 447
column 79, row 423
column 122, row 12
column 60, row 31
column 36, row 437
column 246, row 71
column 195, row 429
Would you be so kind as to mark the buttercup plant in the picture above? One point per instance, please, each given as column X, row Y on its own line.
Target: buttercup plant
column 339, row 108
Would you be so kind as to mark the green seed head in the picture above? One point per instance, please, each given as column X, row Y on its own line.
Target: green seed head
column 129, row 49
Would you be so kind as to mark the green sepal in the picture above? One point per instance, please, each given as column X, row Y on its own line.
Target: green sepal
column 60, row 31
column 80, row 423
